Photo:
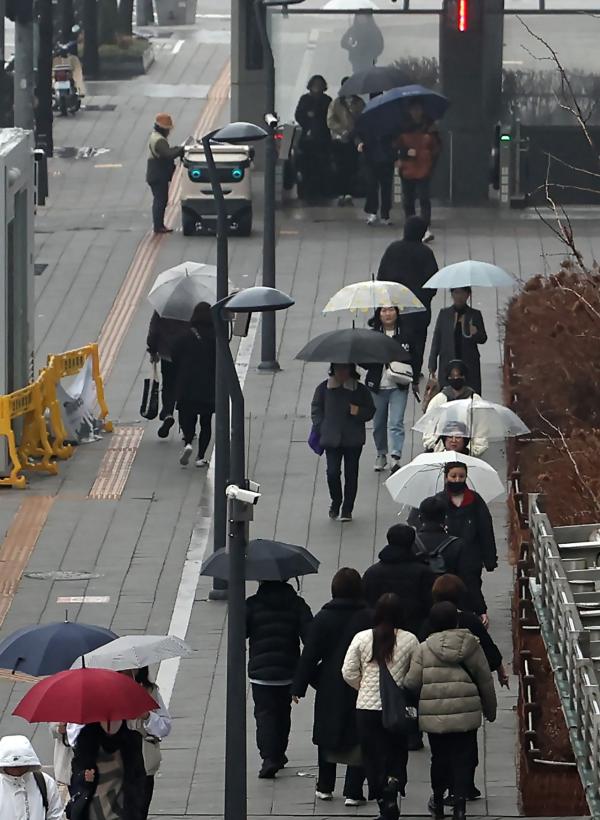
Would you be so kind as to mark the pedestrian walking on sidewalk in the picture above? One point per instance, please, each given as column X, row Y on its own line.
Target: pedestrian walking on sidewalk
column 340, row 409
column 379, row 156
column 451, row 676
column 444, row 553
column 153, row 730
column 419, row 147
column 63, row 757
column 455, row 388
column 194, row 357
column 389, row 387
column 334, row 725
column 160, row 168
column 26, row 793
column 108, row 779
column 342, row 115
column 163, row 335
column 459, row 331
column 363, row 41
column 385, row 753
column 401, row 571
column 277, row 619
column 411, row 263
column 315, row 140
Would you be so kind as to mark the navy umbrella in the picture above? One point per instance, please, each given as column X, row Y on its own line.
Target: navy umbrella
column 387, row 114
column 265, row 561
column 49, row 648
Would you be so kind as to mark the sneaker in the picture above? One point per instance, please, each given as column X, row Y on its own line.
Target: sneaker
column 351, row 801
column 371, row 219
column 165, row 427
column 334, row 511
column 201, row 462
column 380, row 463
column 186, row 455
column 349, row 200
column 324, row 795
column 395, row 465
column 387, row 222
column 346, row 516
column 268, row 770
column 429, row 237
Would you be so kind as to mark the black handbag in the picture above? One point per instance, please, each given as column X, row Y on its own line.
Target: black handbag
column 397, row 713
column 149, row 405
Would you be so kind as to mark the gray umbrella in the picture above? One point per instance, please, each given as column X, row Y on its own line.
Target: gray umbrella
column 351, row 345
column 373, row 80
column 177, row 291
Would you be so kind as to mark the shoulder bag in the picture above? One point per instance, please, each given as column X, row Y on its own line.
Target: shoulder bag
column 400, row 373
column 398, row 716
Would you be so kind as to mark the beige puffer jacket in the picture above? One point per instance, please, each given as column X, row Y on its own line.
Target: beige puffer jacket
column 360, row 672
column 450, row 672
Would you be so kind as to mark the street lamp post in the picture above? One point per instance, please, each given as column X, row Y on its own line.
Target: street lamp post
column 234, row 133
column 268, row 348
column 252, row 300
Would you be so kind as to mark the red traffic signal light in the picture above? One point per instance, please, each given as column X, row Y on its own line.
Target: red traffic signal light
column 462, row 21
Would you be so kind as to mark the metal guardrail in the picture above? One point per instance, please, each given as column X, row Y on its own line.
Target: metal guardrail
column 565, row 591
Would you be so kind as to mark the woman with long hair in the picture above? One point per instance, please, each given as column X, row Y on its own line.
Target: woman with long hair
column 389, row 387
column 385, row 754
column 194, row 357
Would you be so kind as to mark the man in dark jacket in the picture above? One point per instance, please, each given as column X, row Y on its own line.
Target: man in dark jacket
column 163, row 336
column 411, row 263
column 160, row 169
column 401, row 571
column 277, row 619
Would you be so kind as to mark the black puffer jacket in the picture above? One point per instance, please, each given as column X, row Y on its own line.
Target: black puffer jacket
column 410, row 263
column 277, row 619
column 400, row 571
column 194, row 356
column 331, row 417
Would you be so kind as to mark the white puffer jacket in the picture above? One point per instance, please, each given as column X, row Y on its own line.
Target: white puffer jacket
column 360, row 672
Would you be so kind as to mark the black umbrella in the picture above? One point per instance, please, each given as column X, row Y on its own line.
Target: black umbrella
column 265, row 561
column 351, row 345
column 373, row 80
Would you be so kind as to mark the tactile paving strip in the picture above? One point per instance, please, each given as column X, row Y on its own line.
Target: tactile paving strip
column 117, row 463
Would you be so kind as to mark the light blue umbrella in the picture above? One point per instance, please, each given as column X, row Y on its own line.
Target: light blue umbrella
column 471, row 273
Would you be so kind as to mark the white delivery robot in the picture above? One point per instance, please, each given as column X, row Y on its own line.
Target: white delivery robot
column 198, row 211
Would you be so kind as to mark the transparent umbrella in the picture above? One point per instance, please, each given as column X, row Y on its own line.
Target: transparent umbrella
column 480, row 418
column 369, row 295
column 424, row 477
column 178, row 290
column 471, row 273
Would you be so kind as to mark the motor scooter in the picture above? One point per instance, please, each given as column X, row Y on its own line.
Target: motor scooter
column 66, row 98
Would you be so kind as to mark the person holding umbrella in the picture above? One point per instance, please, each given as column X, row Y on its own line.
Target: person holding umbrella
column 380, row 155
column 334, row 725
column 277, row 619
column 153, row 730
column 389, row 385
column 163, row 336
column 340, row 409
column 419, row 146
column 459, row 330
column 342, row 115
column 194, row 357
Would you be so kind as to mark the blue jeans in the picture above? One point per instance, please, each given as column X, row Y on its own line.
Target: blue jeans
column 390, row 405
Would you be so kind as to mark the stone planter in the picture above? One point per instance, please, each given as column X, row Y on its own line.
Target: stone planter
column 125, row 63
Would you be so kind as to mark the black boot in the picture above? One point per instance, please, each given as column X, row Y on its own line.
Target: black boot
column 436, row 805
column 388, row 805
column 460, row 812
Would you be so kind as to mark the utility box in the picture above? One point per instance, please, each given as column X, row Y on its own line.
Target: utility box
column 176, row 12
column 17, row 182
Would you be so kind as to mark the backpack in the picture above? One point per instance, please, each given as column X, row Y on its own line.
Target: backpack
column 435, row 559
column 40, row 781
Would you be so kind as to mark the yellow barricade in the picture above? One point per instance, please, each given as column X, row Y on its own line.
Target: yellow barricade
column 34, row 451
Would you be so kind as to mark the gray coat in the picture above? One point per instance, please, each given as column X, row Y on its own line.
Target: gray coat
column 450, row 673
column 443, row 349
column 331, row 418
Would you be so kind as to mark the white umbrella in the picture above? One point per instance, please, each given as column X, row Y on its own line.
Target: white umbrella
column 424, row 477
column 480, row 418
column 348, row 5
column 134, row 652
column 471, row 273
column 177, row 291
column 369, row 295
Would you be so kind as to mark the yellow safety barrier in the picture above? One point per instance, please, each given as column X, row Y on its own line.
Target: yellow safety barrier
column 37, row 450
column 34, row 451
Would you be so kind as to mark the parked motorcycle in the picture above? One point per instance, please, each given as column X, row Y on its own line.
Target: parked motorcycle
column 65, row 85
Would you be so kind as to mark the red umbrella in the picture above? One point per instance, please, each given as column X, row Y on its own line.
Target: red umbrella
column 85, row 696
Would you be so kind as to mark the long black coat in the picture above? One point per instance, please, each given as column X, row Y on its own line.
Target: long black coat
column 443, row 348
column 331, row 417
column 400, row 571
column 194, row 356
column 330, row 635
column 473, row 524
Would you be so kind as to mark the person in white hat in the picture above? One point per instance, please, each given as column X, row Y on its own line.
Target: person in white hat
column 26, row 793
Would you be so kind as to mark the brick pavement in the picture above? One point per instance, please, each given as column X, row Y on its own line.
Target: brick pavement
column 137, row 545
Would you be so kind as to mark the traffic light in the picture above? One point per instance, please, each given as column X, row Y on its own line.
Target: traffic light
column 462, row 22
column 19, row 11
column 463, row 16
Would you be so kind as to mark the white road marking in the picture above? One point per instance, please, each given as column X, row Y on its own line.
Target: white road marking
column 199, row 542
column 83, row 599
column 177, row 46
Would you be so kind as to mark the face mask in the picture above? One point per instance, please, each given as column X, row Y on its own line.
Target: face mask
column 456, row 487
column 457, row 383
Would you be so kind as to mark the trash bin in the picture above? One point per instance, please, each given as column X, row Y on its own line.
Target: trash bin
column 198, row 211
column 176, row 12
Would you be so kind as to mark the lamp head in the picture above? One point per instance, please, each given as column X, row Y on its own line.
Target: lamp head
column 239, row 133
column 259, row 300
